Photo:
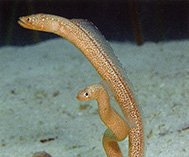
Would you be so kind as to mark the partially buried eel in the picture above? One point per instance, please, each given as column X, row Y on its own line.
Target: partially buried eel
column 86, row 37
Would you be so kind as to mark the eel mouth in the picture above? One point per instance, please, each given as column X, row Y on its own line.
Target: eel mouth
column 23, row 22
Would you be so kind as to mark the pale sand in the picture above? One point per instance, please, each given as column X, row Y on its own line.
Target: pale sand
column 39, row 84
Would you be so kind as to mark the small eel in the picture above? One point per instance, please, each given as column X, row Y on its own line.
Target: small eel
column 108, row 116
column 86, row 37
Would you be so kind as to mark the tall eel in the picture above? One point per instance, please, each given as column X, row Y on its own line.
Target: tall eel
column 86, row 37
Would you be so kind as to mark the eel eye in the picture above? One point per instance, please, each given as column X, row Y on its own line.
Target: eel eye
column 86, row 94
column 28, row 19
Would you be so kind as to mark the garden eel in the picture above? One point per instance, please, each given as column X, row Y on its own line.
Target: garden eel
column 86, row 37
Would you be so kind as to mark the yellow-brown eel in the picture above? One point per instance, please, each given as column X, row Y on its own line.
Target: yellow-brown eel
column 93, row 45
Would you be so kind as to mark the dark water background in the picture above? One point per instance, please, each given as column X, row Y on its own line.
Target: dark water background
column 158, row 19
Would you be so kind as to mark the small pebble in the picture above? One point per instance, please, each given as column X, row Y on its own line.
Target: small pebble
column 41, row 154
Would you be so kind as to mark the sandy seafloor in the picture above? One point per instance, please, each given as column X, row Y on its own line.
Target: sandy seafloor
column 39, row 84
